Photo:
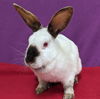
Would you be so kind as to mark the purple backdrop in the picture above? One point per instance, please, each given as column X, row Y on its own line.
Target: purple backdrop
column 84, row 28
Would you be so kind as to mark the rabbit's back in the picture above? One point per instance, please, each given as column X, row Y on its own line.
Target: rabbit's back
column 67, row 45
column 70, row 51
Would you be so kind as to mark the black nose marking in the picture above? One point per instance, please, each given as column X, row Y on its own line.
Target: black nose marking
column 32, row 53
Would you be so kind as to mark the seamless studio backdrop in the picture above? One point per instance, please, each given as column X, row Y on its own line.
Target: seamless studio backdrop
column 83, row 29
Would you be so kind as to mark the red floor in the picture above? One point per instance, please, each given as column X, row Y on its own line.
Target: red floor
column 18, row 82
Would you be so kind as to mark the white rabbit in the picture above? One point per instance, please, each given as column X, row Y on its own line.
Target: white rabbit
column 52, row 56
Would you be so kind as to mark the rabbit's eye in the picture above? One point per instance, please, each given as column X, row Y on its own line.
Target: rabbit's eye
column 45, row 44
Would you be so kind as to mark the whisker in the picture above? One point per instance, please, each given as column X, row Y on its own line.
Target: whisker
column 23, row 44
column 18, row 51
column 20, row 59
column 15, row 59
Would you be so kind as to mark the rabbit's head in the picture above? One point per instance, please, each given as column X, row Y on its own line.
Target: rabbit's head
column 43, row 48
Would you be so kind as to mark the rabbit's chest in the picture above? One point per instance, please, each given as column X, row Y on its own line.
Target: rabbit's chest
column 54, row 75
column 51, row 77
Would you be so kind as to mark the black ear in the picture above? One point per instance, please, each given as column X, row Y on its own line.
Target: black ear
column 30, row 19
column 60, row 20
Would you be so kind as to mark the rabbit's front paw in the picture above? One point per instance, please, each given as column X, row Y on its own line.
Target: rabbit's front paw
column 68, row 96
column 41, row 89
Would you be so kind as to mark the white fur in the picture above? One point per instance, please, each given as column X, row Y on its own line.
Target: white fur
column 61, row 57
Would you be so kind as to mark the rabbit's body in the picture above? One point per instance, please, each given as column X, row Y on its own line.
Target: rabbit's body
column 52, row 56
column 64, row 64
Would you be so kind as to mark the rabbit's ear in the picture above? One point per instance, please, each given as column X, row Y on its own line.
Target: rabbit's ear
column 30, row 19
column 60, row 20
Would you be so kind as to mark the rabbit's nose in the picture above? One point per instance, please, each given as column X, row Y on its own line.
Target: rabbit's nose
column 31, row 54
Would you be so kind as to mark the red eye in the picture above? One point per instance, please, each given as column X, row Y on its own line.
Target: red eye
column 45, row 44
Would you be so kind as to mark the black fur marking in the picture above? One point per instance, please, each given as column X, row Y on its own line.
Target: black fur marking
column 32, row 53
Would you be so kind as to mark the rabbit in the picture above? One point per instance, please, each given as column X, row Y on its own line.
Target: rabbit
column 51, row 56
